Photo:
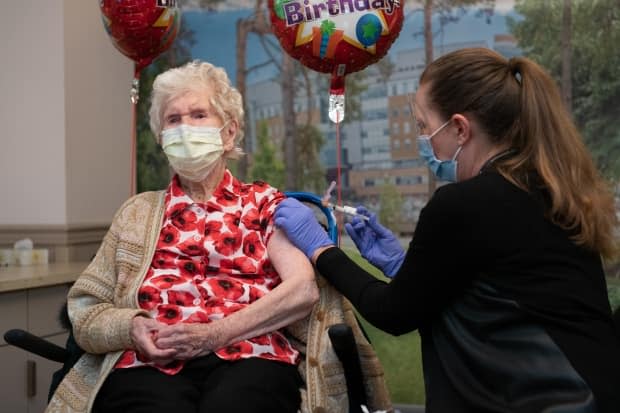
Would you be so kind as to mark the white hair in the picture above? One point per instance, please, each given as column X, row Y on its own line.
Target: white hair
column 225, row 100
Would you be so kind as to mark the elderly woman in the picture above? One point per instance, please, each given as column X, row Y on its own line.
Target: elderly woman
column 182, row 307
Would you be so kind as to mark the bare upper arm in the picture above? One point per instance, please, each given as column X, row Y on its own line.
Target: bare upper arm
column 287, row 259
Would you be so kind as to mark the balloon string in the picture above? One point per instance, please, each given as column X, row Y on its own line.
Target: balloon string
column 132, row 162
column 338, row 181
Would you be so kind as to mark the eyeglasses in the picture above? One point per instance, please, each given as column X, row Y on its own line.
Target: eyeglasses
column 411, row 102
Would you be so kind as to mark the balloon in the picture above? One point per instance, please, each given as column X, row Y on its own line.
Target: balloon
column 326, row 34
column 336, row 36
column 140, row 29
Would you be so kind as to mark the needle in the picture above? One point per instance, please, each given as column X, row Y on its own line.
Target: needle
column 345, row 209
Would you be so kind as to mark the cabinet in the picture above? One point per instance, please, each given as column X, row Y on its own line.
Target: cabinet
column 33, row 305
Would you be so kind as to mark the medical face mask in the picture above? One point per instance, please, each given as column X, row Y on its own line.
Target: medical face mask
column 192, row 150
column 443, row 170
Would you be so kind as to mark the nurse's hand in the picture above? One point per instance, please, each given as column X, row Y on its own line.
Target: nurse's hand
column 377, row 244
column 301, row 227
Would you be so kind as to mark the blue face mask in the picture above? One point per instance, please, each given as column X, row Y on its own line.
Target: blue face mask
column 443, row 170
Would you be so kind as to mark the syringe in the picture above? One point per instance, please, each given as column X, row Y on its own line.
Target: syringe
column 346, row 209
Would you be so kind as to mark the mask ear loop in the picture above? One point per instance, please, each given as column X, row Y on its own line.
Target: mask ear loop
column 439, row 129
column 224, row 125
column 460, row 148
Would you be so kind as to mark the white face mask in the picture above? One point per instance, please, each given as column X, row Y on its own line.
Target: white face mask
column 193, row 150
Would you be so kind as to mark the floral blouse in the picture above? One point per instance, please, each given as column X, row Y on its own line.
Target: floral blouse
column 210, row 261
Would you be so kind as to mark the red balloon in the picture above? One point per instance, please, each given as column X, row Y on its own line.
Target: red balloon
column 336, row 36
column 141, row 29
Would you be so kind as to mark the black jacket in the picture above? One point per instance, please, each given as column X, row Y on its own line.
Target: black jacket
column 513, row 315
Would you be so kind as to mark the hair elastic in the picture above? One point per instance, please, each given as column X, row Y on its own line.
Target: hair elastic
column 517, row 76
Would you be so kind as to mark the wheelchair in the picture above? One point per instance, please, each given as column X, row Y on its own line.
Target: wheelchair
column 343, row 341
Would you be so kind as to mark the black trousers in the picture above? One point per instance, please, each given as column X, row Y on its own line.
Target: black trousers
column 204, row 385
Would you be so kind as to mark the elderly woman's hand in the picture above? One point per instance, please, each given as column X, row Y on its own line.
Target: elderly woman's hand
column 144, row 332
column 188, row 340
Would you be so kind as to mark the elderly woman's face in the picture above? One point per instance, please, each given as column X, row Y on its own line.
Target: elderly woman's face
column 191, row 108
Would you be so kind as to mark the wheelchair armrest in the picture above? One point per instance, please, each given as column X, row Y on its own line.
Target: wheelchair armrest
column 37, row 345
column 343, row 342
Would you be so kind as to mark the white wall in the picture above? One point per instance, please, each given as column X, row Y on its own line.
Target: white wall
column 32, row 113
column 99, row 115
column 65, row 115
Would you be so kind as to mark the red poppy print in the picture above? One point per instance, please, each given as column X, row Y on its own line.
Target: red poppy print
column 280, row 344
column 225, row 197
column 181, row 298
column 227, row 180
column 191, row 247
column 164, row 260
column 213, row 302
column 260, row 202
column 230, row 308
column 236, row 351
column 261, row 340
column 213, row 269
column 271, row 283
column 189, row 267
column 226, row 266
column 268, row 356
column 232, row 220
column 226, row 288
column 142, row 358
column 253, row 247
column 228, row 243
column 169, row 236
column 198, row 317
column 251, row 220
column 255, row 294
column 175, row 187
column 213, row 207
column 244, row 265
column 266, row 268
column 149, row 297
column 204, row 293
column 169, row 314
column 211, row 261
column 165, row 281
column 260, row 186
column 243, row 189
column 184, row 220
column 212, row 230
column 128, row 357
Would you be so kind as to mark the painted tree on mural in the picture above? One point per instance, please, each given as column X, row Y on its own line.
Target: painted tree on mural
column 594, row 67
column 390, row 205
column 256, row 24
column 152, row 167
column 267, row 166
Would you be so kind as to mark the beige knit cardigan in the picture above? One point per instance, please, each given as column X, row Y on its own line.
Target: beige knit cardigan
column 103, row 301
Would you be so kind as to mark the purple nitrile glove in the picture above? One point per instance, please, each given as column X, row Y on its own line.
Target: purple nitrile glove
column 301, row 227
column 377, row 244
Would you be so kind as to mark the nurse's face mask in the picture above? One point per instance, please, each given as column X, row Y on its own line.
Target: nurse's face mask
column 443, row 170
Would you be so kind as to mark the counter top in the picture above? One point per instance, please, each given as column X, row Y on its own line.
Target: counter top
column 20, row 278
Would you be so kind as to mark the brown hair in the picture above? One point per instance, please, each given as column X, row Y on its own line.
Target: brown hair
column 518, row 105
